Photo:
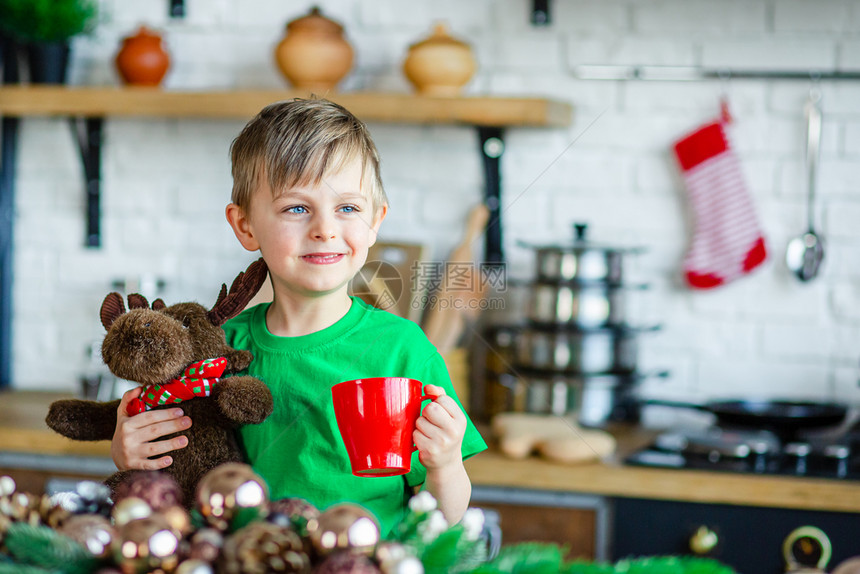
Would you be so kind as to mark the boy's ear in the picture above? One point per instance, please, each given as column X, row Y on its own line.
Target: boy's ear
column 238, row 220
column 377, row 221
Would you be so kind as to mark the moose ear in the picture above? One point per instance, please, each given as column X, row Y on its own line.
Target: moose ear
column 112, row 307
column 137, row 301
column 158, row 305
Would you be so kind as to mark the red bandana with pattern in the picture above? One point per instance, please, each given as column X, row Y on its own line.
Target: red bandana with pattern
column 197, row 381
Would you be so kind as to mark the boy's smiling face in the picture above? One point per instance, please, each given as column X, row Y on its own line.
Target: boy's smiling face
column 315, row 237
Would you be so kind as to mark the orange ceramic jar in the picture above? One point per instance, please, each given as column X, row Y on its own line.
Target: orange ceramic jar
column 142, row 60
column 439, row 65
column 314, row 55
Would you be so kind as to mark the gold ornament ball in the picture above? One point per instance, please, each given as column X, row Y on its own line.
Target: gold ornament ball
column 92, row 531
column 178, row 519
column 193, row 566
column 344, row 526
column 146, row 544
column 206, row 544
column 228, row 489
column 130, row 508
column 7, row 486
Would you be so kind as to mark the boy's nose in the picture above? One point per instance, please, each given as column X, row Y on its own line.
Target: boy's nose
column 323, row 229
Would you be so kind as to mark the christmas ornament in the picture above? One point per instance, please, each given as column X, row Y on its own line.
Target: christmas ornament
column 727, row 239
column 130, row 508
column 144, row 544
column 229, row 490
column 178, row 519
column 160, row 490
column 192, row 566
column 206, row 545
column 298, row 511
column 262, row 547
column 92, row 531
column 55, row 509
column 344, row 526
column 345, row 562
column 22, row 507
column 295, row 508
column 408, row 565
column 396, row 558
column 93, row 498
column 7, row 487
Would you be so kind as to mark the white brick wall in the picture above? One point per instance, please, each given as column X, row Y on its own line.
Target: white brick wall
column 166, row 181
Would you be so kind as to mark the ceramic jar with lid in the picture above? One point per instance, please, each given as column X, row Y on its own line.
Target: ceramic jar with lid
column 142, row 59
column 314, row 55
column 439, row 65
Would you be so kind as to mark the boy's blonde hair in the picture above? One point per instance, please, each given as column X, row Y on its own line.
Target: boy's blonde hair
column 296, row 142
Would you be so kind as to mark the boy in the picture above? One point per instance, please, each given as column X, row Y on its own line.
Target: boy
column 308, row 195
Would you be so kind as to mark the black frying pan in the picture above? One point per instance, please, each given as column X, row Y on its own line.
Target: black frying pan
column 780, row 416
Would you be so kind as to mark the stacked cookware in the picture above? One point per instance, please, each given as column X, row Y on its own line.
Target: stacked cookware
column 575, row 351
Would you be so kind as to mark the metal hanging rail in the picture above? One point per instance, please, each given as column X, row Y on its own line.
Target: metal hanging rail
column 693, row 73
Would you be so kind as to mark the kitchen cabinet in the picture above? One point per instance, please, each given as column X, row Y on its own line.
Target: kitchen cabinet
column 87, row 107
column 579, row 523
column 38, row 473
column 747, row 538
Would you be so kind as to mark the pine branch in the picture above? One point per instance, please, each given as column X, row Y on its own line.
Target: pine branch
column 44, row 547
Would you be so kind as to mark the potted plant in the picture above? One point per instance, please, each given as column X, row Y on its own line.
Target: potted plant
column 44, row 29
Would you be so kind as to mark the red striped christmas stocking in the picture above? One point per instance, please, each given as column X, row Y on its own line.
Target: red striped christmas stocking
column 727, row 240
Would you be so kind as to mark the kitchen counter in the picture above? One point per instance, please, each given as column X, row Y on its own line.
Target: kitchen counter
column 23, row 429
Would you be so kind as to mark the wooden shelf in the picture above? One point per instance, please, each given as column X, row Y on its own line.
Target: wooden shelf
column 19, row 101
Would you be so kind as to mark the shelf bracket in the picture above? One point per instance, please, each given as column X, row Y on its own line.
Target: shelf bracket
column 7, row 233
column 540, row 13
column 8, row 161
column 492, row 146
column 88, row 134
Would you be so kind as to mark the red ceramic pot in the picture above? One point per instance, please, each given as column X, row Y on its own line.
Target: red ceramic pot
column 142, row 60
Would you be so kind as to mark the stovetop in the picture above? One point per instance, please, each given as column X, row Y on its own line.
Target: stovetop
column 754, row 452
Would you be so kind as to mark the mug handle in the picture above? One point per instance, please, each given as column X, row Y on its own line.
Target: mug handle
column 426, row 398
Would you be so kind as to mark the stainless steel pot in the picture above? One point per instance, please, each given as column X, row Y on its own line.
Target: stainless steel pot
column 582, row 260
column 593, row 351
column 585, row 305
column 592, row 400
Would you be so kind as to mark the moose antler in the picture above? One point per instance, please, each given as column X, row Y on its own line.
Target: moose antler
column 244, row 287
column 112, row 307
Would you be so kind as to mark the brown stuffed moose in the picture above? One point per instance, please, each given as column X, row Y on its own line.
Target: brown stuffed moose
column 177, row 353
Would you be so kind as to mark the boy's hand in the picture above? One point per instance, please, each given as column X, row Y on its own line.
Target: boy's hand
column 135, row 437
column 439, row 431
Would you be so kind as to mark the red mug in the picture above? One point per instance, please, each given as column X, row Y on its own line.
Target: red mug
column 376, row 418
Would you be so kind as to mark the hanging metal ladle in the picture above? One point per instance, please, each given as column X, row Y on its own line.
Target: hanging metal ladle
column 806, row 252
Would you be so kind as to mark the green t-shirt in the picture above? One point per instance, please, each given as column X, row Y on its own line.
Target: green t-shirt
column 298, row 450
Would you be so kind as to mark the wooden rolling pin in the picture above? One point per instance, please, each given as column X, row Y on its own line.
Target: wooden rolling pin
column 445, row 320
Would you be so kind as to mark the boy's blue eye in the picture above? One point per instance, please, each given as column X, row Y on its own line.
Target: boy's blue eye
column 349, row 208
column 296, row 209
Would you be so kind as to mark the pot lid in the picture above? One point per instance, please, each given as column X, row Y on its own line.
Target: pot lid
column 439, row 37
column 580, row 244
column 144, row 32
column 315, row 22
